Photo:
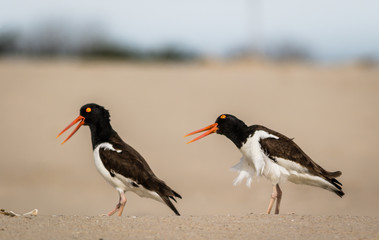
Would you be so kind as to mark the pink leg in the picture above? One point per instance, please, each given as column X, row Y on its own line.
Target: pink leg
column 279, row 198
column 274, row 195
column 122, row 202
column 120, row 206
column 114, row 210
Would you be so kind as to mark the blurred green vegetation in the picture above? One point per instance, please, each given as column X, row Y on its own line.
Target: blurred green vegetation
column 57, row 39
column 57, row 42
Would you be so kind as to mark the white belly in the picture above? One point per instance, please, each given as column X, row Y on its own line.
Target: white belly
column 273, row 172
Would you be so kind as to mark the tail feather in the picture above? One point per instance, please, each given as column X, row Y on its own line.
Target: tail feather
column 173, row 198
column 338, row 187
column 339, row 192
column 176, row 194
column 330, row 177
column 166, row 193
column 169, row 204
column 336, row 183
column 332, row 174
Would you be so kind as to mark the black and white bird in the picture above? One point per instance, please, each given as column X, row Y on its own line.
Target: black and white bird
column 273, row 155
column 122, row 166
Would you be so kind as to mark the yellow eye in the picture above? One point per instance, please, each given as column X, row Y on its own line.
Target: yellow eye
column 222, row 116
column 88, row 109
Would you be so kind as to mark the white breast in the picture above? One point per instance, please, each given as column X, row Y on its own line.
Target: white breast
column 256, row 163
column 101, row 168
column 253, row 153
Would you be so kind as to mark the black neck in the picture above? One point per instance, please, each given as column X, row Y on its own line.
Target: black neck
column 100, row 132
column 238, row 134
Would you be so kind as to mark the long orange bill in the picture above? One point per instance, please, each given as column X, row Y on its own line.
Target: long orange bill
column 211, row 129
column 79, row 119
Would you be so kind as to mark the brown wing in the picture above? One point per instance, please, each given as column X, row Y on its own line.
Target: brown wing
column 286, row 148
column 128, row 164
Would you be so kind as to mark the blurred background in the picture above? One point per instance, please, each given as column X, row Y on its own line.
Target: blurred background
column 322, row 31
column 165, row 68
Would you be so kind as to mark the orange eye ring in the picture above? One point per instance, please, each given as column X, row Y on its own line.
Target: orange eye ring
column 222, row 116
column 88, row 109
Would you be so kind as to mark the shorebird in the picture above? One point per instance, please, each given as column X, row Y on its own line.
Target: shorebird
column 122, row 166
column 273, row 155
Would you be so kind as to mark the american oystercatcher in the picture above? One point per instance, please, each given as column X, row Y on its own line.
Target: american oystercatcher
column 273, row 155
column 122, row 166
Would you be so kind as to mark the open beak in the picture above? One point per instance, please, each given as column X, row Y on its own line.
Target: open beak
column 211, row 129
column 79, row 119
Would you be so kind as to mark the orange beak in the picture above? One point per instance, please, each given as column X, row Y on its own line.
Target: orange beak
column 79, row 119
column 211, row 129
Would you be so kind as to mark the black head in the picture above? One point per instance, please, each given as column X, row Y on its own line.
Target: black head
column 96, row 117
column 227, row 125
column 94, row 114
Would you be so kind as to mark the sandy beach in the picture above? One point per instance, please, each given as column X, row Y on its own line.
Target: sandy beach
column 252, row 226
column 332, row 112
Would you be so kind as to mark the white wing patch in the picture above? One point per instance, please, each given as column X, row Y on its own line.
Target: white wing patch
column 291, row 166
column 108, row 146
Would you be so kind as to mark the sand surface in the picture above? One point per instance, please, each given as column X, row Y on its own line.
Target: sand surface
column 332, row 112
column 252, row 226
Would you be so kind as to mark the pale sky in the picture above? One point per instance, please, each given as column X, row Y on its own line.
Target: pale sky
column 332, row 29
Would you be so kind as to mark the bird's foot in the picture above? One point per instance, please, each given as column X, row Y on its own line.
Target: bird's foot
column 115, row 210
